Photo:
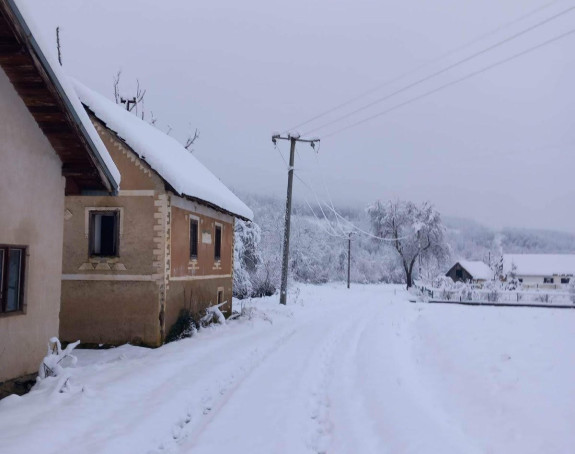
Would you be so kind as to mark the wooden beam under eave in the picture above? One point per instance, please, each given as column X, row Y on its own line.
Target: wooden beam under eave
column 69, row 170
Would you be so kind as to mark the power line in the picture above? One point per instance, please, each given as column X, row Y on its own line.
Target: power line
column 454, row 82
column 353, row 226
column 426, row 64
column 444, row 70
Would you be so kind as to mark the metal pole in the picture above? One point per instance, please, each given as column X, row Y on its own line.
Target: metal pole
column 348, row 259
column 285, row 261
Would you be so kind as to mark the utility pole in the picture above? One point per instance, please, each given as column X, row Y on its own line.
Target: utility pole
column 348, row 259
column 293, row 138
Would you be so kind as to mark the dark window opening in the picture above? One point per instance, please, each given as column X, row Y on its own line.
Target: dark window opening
column 193, row 238
column 218, row 243
column 548, row 280
column 104, row 233
column 564, row 280
column 459, row 273
column 12, row 262
column 220, row 296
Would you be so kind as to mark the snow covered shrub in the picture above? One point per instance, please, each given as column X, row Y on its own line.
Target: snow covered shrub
column 185, row 326
column 57, row 359
column 213, row 315
column 512, row 279
column 247, row 256
column 267, row 278
column 463, row 291
column 542, row 298
column 493, row 291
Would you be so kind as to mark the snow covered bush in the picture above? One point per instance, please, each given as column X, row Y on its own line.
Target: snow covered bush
column 512, row 282
column 185, row 326
column 493, row 289
column 247, row 258
column 57, row 359
column 213, row 315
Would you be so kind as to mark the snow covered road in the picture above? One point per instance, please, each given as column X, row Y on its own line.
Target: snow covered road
column 337, row 371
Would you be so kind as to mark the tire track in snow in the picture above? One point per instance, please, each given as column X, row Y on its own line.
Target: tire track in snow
column 201, row 414
column 324, row 393
column 355, row 426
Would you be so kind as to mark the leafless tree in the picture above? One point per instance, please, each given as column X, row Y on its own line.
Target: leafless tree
column 117, row 86
column 191, row 140
column 413, row 230
column 136, row 105
column 58, row 45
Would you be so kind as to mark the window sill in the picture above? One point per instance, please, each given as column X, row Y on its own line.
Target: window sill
column 12, row 313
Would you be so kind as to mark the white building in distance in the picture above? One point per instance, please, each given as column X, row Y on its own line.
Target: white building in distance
column 544, row 270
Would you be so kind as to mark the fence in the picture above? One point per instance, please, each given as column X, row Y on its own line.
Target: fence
column 504, row 297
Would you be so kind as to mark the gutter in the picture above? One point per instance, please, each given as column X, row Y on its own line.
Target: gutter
column 111, row 185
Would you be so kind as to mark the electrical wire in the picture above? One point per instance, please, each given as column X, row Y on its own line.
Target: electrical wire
column 443, row 70
column 454, row 82
column 426, row 64
column 356, row 228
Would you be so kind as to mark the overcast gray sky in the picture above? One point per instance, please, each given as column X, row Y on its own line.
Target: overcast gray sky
column 497, row 148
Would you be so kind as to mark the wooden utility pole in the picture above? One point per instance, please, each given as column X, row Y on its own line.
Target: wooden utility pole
column 293, row 138
column 348, row 259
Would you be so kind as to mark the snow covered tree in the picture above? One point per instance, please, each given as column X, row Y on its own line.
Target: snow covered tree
column 246, row 256
column 572, row 290
column 512, row 279
column 413, row 230
column 496, row 266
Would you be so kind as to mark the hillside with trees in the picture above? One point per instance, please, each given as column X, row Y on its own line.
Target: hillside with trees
column 319, row 242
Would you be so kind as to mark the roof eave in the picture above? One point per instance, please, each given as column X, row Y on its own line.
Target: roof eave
column 107, row 178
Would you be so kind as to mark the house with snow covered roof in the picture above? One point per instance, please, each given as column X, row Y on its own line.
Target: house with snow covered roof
column 540, row 270
column 470, row 271
column 134, row 262
column 48, row 149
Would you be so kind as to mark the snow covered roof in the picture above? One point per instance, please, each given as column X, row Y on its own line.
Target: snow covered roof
column 540, row 264
column 477, row 269
column 176, row 165
column 63, row 85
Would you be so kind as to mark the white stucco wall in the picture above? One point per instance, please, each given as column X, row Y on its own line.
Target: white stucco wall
column 31, row 213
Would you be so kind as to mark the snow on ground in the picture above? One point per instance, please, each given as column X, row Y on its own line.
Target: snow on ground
column 336, row 371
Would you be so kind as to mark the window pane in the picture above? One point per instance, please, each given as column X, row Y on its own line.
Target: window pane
column 218, row 243
column 13, row 290
column 108, row 237
column 104, row 234
column 193, row 238
column 97, row 233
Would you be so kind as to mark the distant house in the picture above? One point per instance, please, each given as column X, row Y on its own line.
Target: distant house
column 48, row 148
column 545, row 270
column 470, row 271
column 133, row 262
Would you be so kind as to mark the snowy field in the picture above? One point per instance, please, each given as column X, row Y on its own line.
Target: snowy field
column 336, row 371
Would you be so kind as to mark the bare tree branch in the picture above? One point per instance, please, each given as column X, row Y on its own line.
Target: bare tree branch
column 117, row 86
column 191, row 139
